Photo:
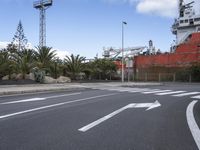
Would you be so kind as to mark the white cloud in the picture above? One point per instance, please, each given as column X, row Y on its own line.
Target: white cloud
column 62, row 54
column 3, row 45
column 165, row 8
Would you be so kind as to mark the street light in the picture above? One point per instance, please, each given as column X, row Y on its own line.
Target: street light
column 123, row 23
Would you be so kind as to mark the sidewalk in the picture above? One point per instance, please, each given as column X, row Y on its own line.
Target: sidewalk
column 32, row 88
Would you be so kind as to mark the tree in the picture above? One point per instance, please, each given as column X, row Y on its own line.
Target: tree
column 24, row 60
column 74, row 65
column 100, row 69
column 19, row 38
column 56, row 68
column 195, row 72
column 44, row 57
column 7, row 66
column 12, row 48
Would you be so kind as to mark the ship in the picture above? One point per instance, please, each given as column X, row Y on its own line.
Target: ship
column 184, row 52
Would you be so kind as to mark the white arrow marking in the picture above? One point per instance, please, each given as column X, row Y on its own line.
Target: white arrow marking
column 192, row 123
column 133, row 105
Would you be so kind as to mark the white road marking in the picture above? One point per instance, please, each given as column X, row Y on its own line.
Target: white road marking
column 54, row 105
column 133, row 105
column 192, row 123
column 156, row 91
column 38, row 99
column 25, row 100
column 131, row 90
column 186, row 94
column 95, row 123
column 197, row 97
column 139, row 90
column 168, row 93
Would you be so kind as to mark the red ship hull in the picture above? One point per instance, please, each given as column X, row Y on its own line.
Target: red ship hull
column 185, row 55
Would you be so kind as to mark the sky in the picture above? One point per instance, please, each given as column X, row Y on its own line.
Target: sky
column 86, row 26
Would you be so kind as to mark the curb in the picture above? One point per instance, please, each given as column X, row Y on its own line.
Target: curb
column 9, row 93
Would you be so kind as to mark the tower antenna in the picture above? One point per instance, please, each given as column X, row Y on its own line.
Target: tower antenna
column 42, row 6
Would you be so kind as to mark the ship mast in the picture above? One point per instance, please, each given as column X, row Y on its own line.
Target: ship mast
column 181, row 8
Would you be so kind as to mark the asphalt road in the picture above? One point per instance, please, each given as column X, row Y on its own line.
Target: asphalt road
column 100, row 118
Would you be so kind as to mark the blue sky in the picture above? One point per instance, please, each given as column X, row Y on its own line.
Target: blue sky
column 85, row 26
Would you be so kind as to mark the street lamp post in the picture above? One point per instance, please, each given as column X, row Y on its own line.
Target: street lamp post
column 123, row 23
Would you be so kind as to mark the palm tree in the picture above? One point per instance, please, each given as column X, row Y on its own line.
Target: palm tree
column 44, row 57
column 57, row 67
column 74, row 65
column 103, row 68
column 7, row 66
column 24, row 60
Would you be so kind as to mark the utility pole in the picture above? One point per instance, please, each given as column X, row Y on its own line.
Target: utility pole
column 123, row 23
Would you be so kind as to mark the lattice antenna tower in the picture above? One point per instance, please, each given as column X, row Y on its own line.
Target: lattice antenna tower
column 42, row 6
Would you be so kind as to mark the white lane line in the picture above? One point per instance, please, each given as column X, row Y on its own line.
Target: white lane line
column 168, row 93
column 192, row 123
column 95, row 123
column 186, row 94
column 25, row 100
column 54, row 105
column 38, row 99
column 156, row 91
column 197, row 97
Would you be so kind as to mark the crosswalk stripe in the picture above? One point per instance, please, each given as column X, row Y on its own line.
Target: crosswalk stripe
column 150, row 91
column 197, row 97
column 131, row 90
column 186, row 94
column 168, row 93
column 139, row 90
column 156, row 91
column 119, row 89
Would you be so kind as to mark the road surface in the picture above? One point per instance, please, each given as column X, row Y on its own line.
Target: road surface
column 103, row 117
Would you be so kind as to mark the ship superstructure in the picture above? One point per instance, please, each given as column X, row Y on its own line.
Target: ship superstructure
column 188, row 22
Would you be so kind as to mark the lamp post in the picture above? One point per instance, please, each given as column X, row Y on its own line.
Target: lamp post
column 123, row 23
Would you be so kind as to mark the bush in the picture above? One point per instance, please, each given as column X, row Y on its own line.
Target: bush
column 195, row 72
column 39, row 75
